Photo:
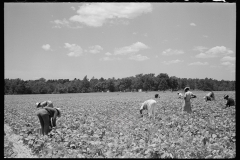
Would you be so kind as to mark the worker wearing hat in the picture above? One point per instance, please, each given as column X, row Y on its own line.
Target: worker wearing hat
column 47, row 117
column 230, row 101
column 187, row 103
column 44, row 104
column 210, row 96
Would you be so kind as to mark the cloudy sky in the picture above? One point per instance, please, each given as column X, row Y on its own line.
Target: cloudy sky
column 72, row 40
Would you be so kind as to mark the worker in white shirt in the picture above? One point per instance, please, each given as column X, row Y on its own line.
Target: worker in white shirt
column 150, row 106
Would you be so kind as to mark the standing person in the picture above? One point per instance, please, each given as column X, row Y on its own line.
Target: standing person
column 210, row 96
column 47, row 117
column 230, row 101
column 44, row 104
column 187, row 103
column 150, row 106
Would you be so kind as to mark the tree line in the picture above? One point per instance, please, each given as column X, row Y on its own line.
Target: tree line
column 145, row 82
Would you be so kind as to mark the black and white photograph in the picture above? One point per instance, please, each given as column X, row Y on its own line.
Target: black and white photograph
column 120, row 80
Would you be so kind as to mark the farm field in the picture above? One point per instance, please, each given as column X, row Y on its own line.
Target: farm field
column 98, row 125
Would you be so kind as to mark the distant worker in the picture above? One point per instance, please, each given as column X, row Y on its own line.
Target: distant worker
column 157, row 96
column 47, row 117
column 150, row 106
column 180, row 95
column 44, row 104
column 230, row 101
column 210, row 96
column 187, row 103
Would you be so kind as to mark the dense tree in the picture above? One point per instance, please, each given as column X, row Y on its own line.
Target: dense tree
column 147, row 82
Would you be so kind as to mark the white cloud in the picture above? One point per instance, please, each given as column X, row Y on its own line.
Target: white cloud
column 108, row 54
column 94, row 49
column 227, row 63
column 109, row 59
column 169, row 52
column 228, row 58
column 193, row 24
column 64, row 23
column 215, row 52
column 46, row 47
column 198, row 63
column 138, row 57
column 96, row 14
column 60, row 23
column 172, row 61
column 76, row 50
column 73, row 8
column 199, row 48
column 132, row 49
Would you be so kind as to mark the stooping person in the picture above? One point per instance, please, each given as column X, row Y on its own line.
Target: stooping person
column 44, row 104
column 210, row 96
column 180, row 95
column 230, row 101
column 47, row 117
column 150, row 106
column 187, row 97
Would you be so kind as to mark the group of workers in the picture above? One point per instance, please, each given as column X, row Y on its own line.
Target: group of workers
column 48, row 114
column 150, row 105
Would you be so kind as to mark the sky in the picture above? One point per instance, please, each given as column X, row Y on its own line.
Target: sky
column 74, row 40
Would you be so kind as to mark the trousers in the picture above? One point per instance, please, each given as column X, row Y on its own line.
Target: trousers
column 44, row 119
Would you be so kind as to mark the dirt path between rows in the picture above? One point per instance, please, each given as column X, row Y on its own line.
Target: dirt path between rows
column 19, row 148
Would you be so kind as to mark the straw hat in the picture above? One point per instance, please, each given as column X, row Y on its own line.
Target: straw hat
column 59, row 112
column 37, row 104
column 186, row 88
column 225, row 96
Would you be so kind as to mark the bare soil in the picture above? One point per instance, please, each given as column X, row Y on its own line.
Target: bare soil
column 19, row 149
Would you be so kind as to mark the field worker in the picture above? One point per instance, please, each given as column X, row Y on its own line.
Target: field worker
column 210, row 96
column 157, row 96
column 44, row 104
column 47, row 117
column 180, row 95
column 230, row 101
column 150, row 106
column 187, row 103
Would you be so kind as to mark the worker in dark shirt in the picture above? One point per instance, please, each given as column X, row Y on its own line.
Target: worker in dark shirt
column 47, row 117
column 230, row 101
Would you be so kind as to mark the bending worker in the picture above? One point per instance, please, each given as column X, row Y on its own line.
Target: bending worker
column 230, row 101
column 150, row 106
column 47, row 117
column 210, row 96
